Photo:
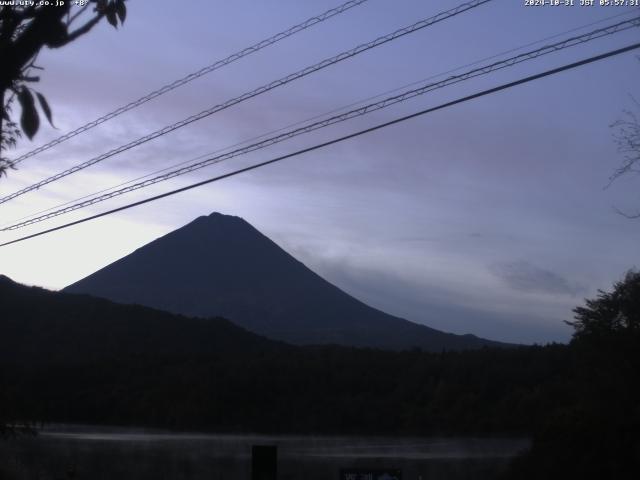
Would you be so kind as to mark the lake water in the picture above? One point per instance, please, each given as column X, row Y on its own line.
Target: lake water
column 82, row 452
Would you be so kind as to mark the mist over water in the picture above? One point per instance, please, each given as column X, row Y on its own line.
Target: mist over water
column 84, row 452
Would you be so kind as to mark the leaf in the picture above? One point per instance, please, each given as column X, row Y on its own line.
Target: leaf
column 121, row 10
column 111, row 18
column 29, row 119
column 100, row 5
column 45, row 108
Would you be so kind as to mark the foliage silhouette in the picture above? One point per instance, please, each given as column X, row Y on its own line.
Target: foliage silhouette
column 75, row 358
column 24, row 31
column 596, row 435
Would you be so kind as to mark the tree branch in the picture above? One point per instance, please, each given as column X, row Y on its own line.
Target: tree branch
column 627, row 215
column 77, row 14
column 86, row 28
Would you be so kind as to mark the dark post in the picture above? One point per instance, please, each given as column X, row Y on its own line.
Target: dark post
column 264, row 462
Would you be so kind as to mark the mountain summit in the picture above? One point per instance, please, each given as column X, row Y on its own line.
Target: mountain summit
column 222, row 266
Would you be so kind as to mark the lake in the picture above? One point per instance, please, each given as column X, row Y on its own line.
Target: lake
column 84, row 452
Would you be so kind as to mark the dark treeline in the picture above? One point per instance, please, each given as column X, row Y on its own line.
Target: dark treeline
column 74, row 358
column 596, row 434
column 319, row 390
column 69, row 358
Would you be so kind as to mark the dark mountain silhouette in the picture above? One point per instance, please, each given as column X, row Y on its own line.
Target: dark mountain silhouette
column 37, row 325
column 221, row 266
column 68, row 358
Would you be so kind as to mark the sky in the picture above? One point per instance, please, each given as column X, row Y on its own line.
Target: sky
column 492, row 217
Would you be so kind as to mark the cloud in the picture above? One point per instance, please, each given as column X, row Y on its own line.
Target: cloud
column 526, row 277
column 438, row 305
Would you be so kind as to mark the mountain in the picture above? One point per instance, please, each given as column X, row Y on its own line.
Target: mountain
column 220, row 265
column 67, row 358
column 39, row 326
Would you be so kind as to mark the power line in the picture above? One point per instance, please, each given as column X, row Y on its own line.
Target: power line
column 315, row 117
column 485, row 59
column 545, row 50
column 340, row 139
column 192, row 76
column 260, row 90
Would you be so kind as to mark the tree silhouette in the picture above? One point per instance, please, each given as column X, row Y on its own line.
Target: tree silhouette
column 611, row 313
column 627, row 137
column 24, row 31
column 595, row 434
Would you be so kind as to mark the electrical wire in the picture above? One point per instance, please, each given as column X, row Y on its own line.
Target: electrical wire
column 260, row 90
column 545, row 50
column 338, row 140
column 315, row 117
column 194, row 75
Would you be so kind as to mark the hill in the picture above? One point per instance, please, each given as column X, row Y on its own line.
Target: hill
column 39, row 326
column 70, row 358
column 220, row 265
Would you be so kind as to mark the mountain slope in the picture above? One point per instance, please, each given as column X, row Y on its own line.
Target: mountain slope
column 221, row 266
column 79, row 359
column 39, row 326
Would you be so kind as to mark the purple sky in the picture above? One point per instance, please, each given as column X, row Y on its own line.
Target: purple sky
column 490, row 217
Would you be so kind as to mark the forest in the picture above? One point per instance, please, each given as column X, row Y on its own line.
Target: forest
column 74, row 358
